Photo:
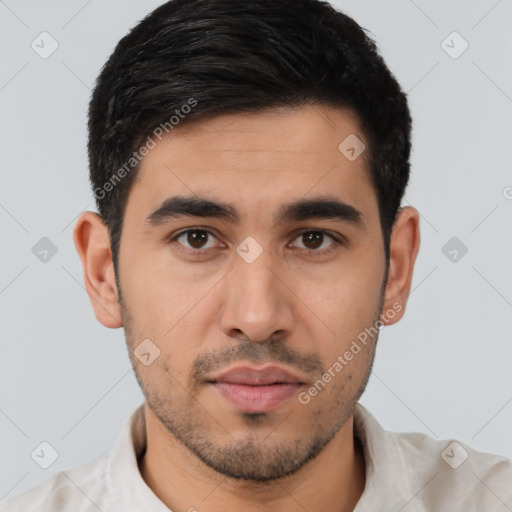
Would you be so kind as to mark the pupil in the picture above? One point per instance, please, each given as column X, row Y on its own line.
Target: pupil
column 314, row 236
column 195, row 240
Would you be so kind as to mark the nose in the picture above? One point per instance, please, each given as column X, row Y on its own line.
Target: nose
column 259, row 303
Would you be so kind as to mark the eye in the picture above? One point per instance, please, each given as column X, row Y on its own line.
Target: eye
column 195, row 238
column 313, row 240
column 198, row 240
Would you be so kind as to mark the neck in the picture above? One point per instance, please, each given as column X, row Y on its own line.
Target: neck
column 332, row 482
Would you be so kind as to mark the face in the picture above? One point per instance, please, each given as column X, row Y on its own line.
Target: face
column 275, row 295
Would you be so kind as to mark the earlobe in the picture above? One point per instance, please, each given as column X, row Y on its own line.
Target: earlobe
column 92, row 243
column 404, row 247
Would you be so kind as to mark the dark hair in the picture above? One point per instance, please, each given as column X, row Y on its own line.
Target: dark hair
column 192, row 58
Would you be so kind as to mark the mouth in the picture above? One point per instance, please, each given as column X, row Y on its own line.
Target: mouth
column 256, row 390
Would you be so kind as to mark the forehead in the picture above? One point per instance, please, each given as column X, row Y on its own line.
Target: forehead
column 258, row 161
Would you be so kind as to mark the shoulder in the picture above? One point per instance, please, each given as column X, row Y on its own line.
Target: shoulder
column 414, row 471
column 454, row 476
column 81, row 489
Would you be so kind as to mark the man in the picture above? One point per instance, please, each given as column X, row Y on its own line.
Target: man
column 248, row 161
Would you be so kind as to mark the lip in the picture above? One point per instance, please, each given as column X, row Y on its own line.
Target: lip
column 256, row 390
column 253, row 376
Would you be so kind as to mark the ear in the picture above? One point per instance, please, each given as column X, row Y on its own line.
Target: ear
column 404, row 247
column 92, row 242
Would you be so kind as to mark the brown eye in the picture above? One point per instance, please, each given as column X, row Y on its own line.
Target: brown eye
column 194, row 238
column 313, row 240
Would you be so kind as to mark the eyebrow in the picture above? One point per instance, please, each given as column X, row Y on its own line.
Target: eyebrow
column 323, row 207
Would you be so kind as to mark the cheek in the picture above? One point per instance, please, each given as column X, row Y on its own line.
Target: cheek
column 346, row 302
column 157, row 296
column 338, row 388
column 168, row 373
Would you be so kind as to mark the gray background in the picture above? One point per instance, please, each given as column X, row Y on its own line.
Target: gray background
column 444, row 369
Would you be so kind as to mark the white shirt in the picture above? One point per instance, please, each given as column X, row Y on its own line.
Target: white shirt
column 404, row 472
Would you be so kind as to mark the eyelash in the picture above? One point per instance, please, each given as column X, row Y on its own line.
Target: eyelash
column 337, row 242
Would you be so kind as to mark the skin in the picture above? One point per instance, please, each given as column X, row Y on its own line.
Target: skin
column 288, row 307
